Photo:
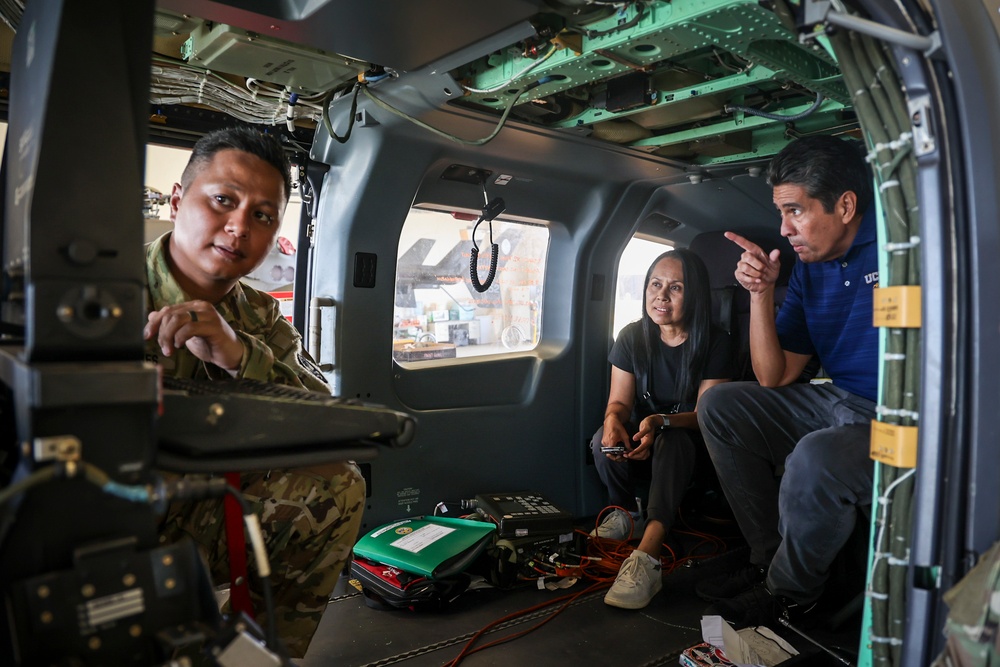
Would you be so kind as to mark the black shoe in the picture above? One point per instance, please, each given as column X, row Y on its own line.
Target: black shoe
column 730, row 584
column 758, row 606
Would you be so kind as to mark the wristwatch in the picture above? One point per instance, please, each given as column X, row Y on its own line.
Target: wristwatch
column 666, row 421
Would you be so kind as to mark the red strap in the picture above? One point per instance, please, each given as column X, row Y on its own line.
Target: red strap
column 239, row 591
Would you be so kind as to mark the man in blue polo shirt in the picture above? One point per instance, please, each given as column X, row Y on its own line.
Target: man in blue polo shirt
column 797, row 523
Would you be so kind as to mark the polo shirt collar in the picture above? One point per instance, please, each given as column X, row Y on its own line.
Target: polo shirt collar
column 867, row 232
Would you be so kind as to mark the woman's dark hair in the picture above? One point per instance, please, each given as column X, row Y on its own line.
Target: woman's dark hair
column 696, row 321
column 826, row 167
column 245, row 139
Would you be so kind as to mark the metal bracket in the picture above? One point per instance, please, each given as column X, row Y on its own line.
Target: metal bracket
column 364, row 118
column 920, row 121
column 316, row 306
column 815, row 11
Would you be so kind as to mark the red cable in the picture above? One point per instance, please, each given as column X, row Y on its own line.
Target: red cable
column 565, row 599
column 610, row 555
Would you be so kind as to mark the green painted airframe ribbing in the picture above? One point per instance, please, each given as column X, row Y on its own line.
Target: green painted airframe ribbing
column 665, row 35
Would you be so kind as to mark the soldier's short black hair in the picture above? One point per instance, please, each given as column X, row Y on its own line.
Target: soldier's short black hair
column 255, row 142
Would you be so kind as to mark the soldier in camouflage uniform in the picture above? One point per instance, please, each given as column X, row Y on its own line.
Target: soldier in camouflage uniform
column 204, row 323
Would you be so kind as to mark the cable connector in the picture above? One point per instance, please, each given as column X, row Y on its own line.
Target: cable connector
column 290, row 112
column 57, row 448
column 196, row 489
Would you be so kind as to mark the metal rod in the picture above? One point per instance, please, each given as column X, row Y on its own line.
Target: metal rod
column 815, row 643
column 879, row 31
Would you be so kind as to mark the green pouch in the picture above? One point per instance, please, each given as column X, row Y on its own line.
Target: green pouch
column 432, row 546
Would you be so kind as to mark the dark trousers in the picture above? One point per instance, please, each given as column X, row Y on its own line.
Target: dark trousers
column 798, row 522
column 671, row 469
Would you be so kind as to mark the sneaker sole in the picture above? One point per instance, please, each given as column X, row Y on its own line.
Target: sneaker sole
column 611, row 538
column 614, row 538
column 630, row 604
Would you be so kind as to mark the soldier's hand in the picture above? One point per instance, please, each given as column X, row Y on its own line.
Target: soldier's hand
column 197, row 326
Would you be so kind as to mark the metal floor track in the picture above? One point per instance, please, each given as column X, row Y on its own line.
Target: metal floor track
column 586, row 633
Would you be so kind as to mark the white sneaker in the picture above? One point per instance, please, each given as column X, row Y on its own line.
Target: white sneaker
column 619, row 525
column 639, row 580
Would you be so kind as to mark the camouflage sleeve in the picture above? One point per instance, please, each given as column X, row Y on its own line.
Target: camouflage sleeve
column 280, row 358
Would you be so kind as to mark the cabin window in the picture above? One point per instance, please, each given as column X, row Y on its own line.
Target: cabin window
column 439, row 315
column 632, row 267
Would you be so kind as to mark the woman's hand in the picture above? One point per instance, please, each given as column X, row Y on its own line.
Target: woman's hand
column 645, row 436
column 615, row 434
column 197, row 326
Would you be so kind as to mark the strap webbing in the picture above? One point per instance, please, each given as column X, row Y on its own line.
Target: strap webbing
column 239, row 590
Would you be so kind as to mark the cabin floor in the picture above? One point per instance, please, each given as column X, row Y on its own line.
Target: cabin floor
column 581, row 631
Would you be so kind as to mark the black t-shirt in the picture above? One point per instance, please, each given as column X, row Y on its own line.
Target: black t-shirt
column 666, row 366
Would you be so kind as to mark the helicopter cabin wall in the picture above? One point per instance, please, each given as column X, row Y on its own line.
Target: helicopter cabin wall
column 504, row 422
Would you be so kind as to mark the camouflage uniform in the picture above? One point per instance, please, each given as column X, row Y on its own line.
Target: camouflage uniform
column 310, row 517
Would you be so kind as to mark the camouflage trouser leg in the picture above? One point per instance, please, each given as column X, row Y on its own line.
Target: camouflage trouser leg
column 310, row 519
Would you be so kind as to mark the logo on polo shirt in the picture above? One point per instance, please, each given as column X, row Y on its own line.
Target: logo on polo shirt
column 872, row 278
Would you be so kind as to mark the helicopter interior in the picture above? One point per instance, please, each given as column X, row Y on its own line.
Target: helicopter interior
column 596, row 122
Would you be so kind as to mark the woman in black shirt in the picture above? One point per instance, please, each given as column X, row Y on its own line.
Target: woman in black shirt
column 660, row 366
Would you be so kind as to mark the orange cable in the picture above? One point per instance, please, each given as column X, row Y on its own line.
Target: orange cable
column 609, row 555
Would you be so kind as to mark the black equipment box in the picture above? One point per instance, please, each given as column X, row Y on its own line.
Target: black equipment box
column 524, row 514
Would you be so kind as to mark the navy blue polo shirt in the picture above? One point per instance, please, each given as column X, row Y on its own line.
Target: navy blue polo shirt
column 828, row 312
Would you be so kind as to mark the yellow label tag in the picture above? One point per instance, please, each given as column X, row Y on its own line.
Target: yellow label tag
column 894, row 445
column 897, row 306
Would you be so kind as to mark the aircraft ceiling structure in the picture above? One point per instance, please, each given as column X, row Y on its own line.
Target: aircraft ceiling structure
column 706, row 82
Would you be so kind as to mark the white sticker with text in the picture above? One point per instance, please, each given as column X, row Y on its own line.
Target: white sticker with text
column 422, row 538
